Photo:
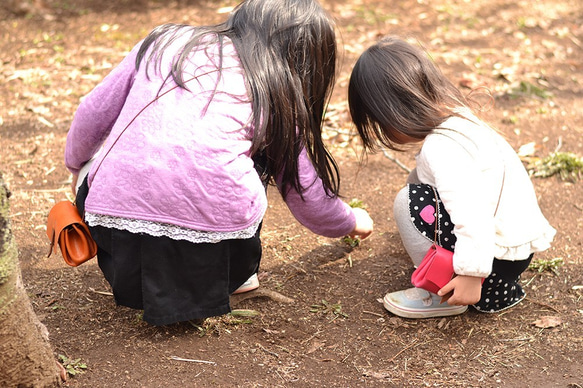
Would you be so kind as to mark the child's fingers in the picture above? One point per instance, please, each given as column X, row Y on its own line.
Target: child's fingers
column 445, row 297
column 446, row 292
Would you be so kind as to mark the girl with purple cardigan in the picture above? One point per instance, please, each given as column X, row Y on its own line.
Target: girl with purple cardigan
column 192, row 125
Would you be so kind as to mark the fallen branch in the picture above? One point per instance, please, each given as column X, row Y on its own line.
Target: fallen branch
column 397, row 162
column 259, row 293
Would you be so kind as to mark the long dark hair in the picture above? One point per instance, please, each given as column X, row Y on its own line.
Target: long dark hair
column 395, row 88
column 288, row 51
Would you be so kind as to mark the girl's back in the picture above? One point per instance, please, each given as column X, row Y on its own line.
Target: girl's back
column 468, row 159
column 184, row 158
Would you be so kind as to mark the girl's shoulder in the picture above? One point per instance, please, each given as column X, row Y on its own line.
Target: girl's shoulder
column 463, row 120
column 461, row 133
column 464, row 127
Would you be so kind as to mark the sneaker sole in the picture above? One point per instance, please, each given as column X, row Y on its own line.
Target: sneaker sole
column 425, row 313
column 249, row 285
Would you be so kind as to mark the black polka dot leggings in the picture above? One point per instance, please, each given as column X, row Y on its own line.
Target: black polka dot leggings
column 502, row 290
column 415, row 214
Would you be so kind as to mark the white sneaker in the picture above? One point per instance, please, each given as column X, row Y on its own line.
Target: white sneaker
column 251, row 284
column 418, row 303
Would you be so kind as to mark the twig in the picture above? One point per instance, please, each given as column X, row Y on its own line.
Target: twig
column 312, row 337
column 397, row 162
column 559, row 144
column 372, row 313
column 332, row 263
column 414, row 344
column 266, row 350
column 530, row 281
column 280, row 376
column 529, row 338
column 543, row 305
column 100, row 292
column 192, row 360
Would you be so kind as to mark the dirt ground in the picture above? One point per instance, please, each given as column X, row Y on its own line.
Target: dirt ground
column 319, row 321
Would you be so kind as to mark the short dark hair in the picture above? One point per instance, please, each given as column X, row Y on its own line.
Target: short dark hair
column 396, row 87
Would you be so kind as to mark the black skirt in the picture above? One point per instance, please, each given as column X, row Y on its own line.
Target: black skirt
column 172, row 280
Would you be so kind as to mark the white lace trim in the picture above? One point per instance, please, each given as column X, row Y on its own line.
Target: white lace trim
column 175, row 232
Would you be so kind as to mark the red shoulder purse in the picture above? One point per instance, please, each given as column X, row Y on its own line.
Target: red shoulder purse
column 436, row 268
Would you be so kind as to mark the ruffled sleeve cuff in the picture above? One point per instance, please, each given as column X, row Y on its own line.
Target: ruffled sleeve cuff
column 521, row 252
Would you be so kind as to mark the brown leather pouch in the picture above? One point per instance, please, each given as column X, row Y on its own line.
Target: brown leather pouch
column 66, row 228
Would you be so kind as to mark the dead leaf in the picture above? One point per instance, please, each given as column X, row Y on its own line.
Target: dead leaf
column 548, row 321
column 315, row 346
column 62, row 371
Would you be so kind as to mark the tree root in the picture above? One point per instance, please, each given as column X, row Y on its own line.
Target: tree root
column 261, row 293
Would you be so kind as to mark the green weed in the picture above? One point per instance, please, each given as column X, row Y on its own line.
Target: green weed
column 223, row 324
column 73, row 367
column 542, row 265
column 568, row 165
column 325, row 307
column 354, row 242
column 529, row 89
column 139, row 317
column 355, row 202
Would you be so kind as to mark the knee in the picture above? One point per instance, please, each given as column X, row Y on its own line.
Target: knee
column 401, row 207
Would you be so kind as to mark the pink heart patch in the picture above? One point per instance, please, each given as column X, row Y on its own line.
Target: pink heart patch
column 428, row 214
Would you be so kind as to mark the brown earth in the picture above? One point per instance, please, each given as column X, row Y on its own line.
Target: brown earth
column 331, row 331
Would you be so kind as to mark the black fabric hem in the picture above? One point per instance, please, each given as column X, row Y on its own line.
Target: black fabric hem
column 494, row 311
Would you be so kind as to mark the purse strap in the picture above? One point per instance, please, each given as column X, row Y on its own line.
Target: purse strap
column 158, row 96
column 437, row 228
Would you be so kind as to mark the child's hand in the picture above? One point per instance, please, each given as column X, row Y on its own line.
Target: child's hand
column 74, row 184
column 364, row 224
column 466, row 290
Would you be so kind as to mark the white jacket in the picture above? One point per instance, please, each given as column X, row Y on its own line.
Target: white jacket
column 487, row 192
